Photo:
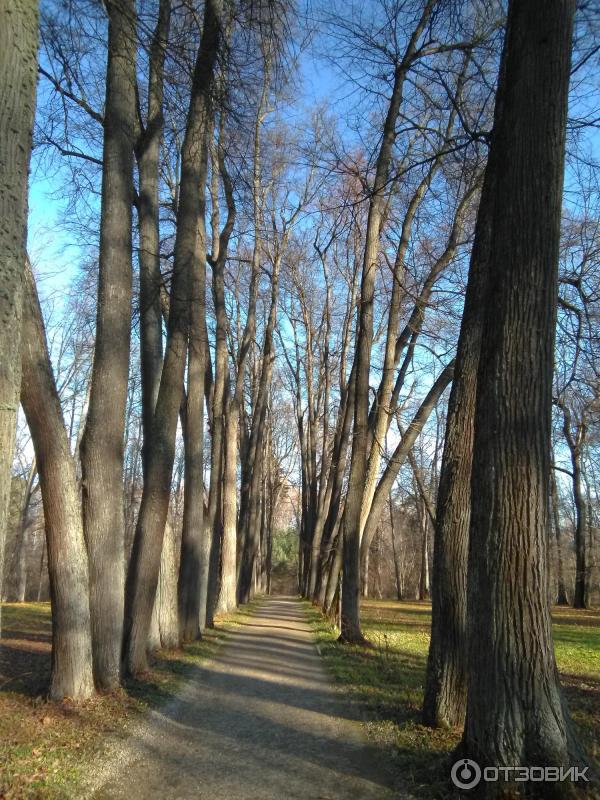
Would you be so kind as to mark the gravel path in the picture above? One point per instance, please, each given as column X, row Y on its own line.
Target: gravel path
column 260, row 722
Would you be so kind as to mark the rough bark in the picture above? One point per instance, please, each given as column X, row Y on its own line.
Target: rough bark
column 102, row 445
column 18, row 62
column 515, row 710
column 67, row 557
column 446, row 681
column 142, row 576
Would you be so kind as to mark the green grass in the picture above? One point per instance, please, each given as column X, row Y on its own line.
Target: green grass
column 46, row 748
column 387, row 682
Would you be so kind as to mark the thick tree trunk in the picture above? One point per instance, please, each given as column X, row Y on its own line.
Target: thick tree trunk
column 102, row 445
column 142, row 576
column 446, row 681
column 18, row 60
column 516, row 714
column 67, row 557
column 164, row 629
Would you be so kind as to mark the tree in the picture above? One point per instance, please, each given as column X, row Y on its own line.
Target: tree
column 67, row 556
column 446, row 682
column 18, row 62
column 102, row 444
column 515, row 709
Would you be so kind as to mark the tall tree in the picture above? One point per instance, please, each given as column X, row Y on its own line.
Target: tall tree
column 18, row 62
column 102, row 445
column 515, row 709
column 446, row 682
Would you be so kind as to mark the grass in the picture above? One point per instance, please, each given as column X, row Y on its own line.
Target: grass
column 45, row 747
column 387, row 682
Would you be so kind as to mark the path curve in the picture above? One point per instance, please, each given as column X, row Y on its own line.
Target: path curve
column 262, row 721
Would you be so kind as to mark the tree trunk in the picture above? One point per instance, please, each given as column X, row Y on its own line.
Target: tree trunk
column 142, row 576
column 219, row 398
column 18, row 60
column 102, row 445
column 195, row 536
column 67, row 557
column 351, row 631
column 424, row 571
column 574, row 443
column 148, row 157
column 561, row 591
column 446, row 681
column 397, row 567
column 401, row 453
column 516, row 714
column 228, row 588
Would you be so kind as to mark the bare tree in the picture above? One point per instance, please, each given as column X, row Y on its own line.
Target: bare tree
column 18, row 60
column 515, row 710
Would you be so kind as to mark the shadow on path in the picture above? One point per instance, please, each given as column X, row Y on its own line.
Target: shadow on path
column 260, row 722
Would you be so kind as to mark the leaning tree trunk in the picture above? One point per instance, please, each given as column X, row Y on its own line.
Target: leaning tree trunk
column 18, row 61
column 142, row 576
column 446, row 681
column 67, row 557
column 102, row 445
column 351, row 527
column 516, row 714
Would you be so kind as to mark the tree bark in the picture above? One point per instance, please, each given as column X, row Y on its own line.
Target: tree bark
column 219, row 399
column 67, row 557
column 446, row 681
column 515, row 710
column 102, row 445
column 18, row 62
column 148, row 156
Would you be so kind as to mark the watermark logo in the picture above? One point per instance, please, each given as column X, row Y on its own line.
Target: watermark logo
column 467, row 774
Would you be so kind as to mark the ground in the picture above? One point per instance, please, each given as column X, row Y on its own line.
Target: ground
column 387, row 682
column 261, row 710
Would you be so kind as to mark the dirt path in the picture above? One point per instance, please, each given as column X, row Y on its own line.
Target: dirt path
column 260, row 722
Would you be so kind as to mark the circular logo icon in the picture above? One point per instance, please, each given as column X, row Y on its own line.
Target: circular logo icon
column 465, row 773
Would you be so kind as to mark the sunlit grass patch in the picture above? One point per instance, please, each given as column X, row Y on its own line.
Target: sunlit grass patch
column 388, row 680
